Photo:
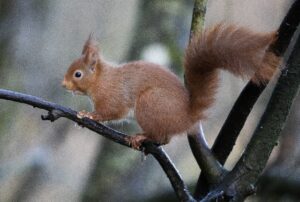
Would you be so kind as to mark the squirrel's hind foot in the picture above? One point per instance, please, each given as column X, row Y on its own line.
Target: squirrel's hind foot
column 136, row 141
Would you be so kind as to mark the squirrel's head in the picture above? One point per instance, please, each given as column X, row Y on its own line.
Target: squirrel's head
column 83, row 72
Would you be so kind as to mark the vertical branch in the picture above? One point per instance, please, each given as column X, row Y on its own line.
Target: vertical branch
column 203, row 155
column 198, row 16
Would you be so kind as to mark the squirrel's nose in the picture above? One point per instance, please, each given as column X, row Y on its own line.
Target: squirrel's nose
column 64, row 83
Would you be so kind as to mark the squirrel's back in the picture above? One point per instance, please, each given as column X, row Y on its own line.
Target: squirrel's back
column 149, row 75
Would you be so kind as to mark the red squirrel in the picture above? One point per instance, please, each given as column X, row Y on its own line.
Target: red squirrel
column 163, row 106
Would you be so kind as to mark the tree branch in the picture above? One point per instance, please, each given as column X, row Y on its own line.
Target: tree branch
column 239, row 113
column 240, row 182
column 56, row 111
column 198, row 16
column 203, row 155
column 206, row 160
column 174, row 176
column 248, row 97
column 271, row 124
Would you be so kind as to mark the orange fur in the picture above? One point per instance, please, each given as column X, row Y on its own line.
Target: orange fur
column 162, row 105
column 235, row 49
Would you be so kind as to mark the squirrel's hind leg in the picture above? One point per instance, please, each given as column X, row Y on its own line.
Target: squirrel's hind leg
column 162, row 113
column 136, row 141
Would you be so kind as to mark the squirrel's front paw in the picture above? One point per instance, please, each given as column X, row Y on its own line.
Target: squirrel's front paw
column 83, row 114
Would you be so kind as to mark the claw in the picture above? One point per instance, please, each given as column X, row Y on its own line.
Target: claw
column 136, row 141
column 83, row 114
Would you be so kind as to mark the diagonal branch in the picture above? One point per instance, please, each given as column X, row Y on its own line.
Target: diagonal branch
column 240, row 182
column 212, row 169
column 248, row 97
column 239, row 113
column 56, row 111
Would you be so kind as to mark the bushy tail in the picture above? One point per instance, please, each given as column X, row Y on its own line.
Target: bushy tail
column 235, row 49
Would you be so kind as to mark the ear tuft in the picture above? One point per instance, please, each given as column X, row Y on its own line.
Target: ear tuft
column 90, row 51
column 90, row 43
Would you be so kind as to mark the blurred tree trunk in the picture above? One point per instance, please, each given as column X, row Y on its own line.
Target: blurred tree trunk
column 281, row 180
column 163, row 23
column 13, row 13
column 6, row 35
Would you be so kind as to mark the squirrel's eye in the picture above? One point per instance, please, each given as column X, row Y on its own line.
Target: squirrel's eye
column 78, row 74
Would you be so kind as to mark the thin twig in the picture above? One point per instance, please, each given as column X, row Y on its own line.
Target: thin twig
column 56, row 111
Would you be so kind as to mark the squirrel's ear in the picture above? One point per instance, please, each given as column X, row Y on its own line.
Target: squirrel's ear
column 90, row 52
column 90, row 57
column 90, row 43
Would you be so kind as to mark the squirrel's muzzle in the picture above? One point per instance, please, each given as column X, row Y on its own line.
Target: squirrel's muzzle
column 66, row 84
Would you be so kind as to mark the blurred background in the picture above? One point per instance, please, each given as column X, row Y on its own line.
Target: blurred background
column 43, row 161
